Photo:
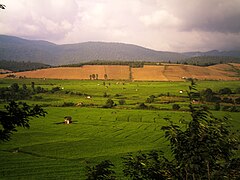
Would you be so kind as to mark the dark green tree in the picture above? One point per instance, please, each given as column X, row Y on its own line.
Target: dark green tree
column 109, row 103
column 150, row 99
column 33, row 86
column 143, row 166
column 122, row 102
column 205, row 147
column 17, row 115
column 142, row 106
column 175, row 107
column 225, row 91
column 14, row 87
column 237, row 100
column 102, row 171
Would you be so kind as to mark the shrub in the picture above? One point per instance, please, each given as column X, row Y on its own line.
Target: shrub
column 217, row 107
column 237, row 100
column 101, row 171
column 39, row 89
column 227, row 100
column 55, row 89
column 230, row 108
column 237, row 91
column 105, row 95
column 225, row 91
column 215, row 99
column 37, row 97
column 122, row 102
column 175, row 107
column 109, row 104
column 142, row 106
column 150, row 99
column 68, row 104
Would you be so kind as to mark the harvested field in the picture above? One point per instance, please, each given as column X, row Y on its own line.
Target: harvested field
column 166, row 72
column 113, row 72
column 149, row 73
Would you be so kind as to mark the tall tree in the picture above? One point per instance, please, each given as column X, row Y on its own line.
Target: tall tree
column 17, row 115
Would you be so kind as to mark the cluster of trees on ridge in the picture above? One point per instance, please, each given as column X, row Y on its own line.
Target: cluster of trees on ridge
column 18, row 66
column 210, row 60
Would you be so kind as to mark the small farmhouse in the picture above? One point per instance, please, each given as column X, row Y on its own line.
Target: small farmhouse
column 68, row 120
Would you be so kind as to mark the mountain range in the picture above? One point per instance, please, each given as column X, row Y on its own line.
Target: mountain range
column 19, row 49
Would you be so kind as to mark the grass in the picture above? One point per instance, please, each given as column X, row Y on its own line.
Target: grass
column 51, row 150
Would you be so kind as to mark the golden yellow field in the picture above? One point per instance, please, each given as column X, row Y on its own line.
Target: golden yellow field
column 164, row 72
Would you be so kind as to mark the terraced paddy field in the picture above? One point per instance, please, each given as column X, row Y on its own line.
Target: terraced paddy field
column 53, row 150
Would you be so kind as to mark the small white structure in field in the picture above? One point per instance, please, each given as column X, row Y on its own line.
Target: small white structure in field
column 181, row 91
column 88, row 97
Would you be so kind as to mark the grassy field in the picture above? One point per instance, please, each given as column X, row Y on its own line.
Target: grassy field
column 52, row 150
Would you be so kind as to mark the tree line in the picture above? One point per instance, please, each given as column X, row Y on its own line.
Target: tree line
column 21, row 66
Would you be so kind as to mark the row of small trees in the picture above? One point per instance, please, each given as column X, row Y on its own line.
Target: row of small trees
column 209, row 95
column 95, row 76
column 15, row 92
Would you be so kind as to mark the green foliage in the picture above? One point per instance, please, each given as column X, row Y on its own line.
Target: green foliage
column 217, row 107
column 150, row 99
column 105, row 95
column 55, row 89
column 211, row 60
column 14, row 92
column 175, row 107
column 237, row 100
column 204, row 147
column 109, row 104
column 122, row 102
column 203, row 150
column 21, row 66
column 225, row 91
column 102, row 171
column 17, row 115
column 142, row 106
column 227, row 100
column 231, row 108
column 147, row 166
column 14, row 87
column 68, row 104
column 237, row 91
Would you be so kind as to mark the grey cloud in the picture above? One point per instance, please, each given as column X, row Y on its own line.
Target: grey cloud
column 213, row 16
column 170, row 25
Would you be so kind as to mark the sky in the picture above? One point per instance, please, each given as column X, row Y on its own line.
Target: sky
column 164, row 25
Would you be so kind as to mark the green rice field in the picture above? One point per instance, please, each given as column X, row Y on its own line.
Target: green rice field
column 53, row 150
